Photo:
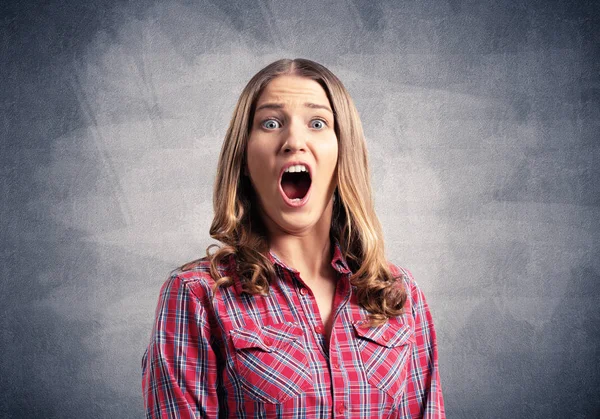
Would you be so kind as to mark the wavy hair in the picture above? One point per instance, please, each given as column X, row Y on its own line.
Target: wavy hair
column 238, row 226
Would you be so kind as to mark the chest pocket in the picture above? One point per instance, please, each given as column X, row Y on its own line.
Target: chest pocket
column 271, row 361
column 386, row 352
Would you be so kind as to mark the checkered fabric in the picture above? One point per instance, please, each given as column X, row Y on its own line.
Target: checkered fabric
column 236, row 355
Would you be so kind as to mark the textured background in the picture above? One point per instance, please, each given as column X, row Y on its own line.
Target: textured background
column 482, row 121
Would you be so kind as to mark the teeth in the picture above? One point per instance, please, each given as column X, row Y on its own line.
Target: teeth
column 296, row 168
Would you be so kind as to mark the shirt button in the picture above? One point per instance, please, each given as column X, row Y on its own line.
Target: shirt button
column 386, row 337
column 303, row 291
column 336, row 366
column 268, row 341
column 318, row 329
column 340, row 409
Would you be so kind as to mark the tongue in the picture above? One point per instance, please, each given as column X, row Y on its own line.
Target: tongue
column 295, row 189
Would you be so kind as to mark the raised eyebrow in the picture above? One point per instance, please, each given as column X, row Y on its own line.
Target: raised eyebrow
column 281, row 106
column 317, row 106
column 270, row 106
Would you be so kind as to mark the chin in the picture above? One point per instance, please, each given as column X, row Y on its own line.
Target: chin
column 296, row 222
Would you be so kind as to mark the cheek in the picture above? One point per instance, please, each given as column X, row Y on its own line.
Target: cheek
column 330, row 153
column 257, row 163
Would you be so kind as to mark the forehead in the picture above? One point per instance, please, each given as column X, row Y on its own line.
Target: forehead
column 288, row 88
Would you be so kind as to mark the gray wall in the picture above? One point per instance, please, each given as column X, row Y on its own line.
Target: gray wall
column 482, row 122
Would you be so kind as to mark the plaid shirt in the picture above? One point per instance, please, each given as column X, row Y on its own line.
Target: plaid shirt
column 266, row 356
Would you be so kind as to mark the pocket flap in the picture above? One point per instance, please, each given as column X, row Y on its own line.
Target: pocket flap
column 266, row 338
column 389, row 334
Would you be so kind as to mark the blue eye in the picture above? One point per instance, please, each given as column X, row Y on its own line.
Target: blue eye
column 317, row 124
column 270, row 124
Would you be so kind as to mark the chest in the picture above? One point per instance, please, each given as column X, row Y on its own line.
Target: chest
column 324, row 295
column 276, row 357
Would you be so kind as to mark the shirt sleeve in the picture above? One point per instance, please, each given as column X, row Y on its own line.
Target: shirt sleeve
column 424, row 388
column 179, row 367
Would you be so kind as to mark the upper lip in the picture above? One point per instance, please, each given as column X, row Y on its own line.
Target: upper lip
column 293, row 163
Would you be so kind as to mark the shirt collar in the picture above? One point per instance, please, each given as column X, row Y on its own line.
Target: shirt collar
column 338, row 261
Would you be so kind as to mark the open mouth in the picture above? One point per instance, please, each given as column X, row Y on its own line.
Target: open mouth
column 295, row 185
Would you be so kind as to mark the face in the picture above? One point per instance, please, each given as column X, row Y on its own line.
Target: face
column 293, row 124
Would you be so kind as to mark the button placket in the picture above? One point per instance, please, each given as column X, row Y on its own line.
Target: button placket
column 307, row 304
column 339, row 378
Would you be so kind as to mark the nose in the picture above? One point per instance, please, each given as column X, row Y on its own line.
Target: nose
column 294, row 138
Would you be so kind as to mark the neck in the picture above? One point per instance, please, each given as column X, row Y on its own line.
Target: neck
column 308, row 252
column 310, row 255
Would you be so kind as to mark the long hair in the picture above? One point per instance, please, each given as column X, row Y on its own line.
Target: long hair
column 238, row 225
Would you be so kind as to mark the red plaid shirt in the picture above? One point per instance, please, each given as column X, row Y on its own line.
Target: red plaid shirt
column 266, row 356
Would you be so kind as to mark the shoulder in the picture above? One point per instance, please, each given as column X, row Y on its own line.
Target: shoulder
column 405, row 277
column 194, row 278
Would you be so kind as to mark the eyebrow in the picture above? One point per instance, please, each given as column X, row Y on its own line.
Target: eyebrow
column 281, row 106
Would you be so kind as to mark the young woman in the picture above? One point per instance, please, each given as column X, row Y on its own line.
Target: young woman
column 298, row 314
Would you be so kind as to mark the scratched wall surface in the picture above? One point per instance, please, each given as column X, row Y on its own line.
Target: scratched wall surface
column 482, row 121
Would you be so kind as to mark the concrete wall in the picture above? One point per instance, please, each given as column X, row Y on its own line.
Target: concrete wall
column 482, row 123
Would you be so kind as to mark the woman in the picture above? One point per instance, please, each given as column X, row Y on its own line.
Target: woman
column 298, row 314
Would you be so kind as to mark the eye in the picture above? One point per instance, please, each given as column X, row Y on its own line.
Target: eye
column 270, row 124
column 318, row 124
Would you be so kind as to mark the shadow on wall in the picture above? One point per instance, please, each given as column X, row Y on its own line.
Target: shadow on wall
column 48, row 343
column 547, row 371
column 47, row 350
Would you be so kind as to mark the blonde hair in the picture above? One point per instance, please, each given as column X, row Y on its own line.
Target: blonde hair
column 238, row 225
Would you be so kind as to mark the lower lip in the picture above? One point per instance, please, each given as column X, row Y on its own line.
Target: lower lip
column 295, row 203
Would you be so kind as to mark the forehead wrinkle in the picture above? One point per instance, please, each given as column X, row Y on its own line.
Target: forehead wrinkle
column 282, row 93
